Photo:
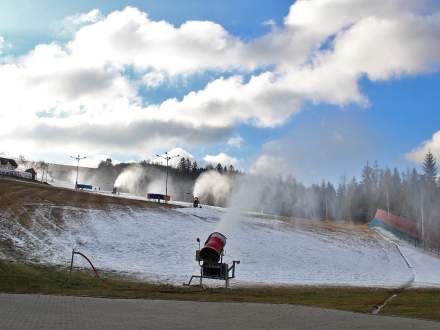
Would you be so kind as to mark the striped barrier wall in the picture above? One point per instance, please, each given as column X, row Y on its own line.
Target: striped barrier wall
column 401, row 227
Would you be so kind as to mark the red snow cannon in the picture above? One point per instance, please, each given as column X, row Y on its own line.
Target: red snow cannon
column 213, row 249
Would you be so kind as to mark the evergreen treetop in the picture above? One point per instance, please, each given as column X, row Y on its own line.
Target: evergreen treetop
column 430, row 167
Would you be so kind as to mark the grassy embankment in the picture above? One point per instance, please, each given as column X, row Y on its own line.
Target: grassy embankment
column 30, row 278
column 16, row 194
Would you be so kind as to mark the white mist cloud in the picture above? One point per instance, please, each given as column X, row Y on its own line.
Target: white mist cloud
column 235, row 141
column 129, row 178
column 213, row 187
column 153, row 79
column 418, row 154
column 221, row 158
column 90, row 160
column 91, row 17
column 71, row 24
column 320, row 150
column 270, row 22
column 78, row 95
column 2, row 44
column 270, row 165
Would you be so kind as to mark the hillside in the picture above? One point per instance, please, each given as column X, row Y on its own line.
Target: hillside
column 157, row 243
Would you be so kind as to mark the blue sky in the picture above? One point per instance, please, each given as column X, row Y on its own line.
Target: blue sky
column 400, row 116
column 243, row 18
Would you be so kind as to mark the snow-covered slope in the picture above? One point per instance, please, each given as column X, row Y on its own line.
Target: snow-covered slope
column 425, row 266
column 158, row 244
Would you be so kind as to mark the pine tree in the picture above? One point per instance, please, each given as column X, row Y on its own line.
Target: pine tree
column 367, row 202
column 219, row 168
column 367, row 176
column 188, row 165
column 182, row 165
column 195, row 167
column 430, row 167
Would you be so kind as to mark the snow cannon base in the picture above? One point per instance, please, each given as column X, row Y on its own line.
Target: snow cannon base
column 210, row 259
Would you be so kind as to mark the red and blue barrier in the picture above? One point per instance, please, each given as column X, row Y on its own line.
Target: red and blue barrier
column 159, row 197
column 401, row 227
column 84, row 186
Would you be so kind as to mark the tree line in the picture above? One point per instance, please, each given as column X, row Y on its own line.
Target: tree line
column 411, row 194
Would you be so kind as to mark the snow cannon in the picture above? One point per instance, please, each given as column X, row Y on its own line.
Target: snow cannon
column 196, row 202
column 213, row 249
column 210, row 259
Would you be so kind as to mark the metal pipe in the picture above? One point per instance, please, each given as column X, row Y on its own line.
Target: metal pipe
column 93, row 267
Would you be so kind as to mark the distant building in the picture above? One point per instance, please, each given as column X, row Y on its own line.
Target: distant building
column 32, row 172
column 7, row 164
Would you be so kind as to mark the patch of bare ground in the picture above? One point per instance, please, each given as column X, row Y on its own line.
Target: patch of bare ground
column 333, row 230
column 25, row 205
column 15, row 194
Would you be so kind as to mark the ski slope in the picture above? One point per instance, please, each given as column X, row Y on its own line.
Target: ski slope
column 424, row 265
column 158, row 244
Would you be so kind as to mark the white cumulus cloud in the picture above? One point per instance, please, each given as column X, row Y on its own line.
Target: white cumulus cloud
column 221, row 158
column 176, row 154
column 85, row 94
column 2, row 43
column 433, row 145
column 235, row 141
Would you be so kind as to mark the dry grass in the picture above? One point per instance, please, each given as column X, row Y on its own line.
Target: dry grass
column 334, row 230
column 18, row 193
column 420, row 303
column 30, row 278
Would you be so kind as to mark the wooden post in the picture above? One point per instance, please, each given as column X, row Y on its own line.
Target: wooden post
column 71, row 261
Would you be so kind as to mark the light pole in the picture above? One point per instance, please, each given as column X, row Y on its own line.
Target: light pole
column 78, row 158
column 422, row 215
column 167, row 158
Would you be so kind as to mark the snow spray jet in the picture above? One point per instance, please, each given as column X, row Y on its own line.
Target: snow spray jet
column 262, row 193
column 246, row 197
column 129, row 179
column 213, row 188
column 140, row 180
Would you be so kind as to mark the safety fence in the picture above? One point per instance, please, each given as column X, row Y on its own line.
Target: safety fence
column 407, row 230
column 18, row 174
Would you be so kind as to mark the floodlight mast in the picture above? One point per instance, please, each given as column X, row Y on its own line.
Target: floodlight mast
column 167, row 158
column 77, row 158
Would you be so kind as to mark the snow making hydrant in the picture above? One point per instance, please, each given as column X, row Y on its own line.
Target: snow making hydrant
column 210, row 259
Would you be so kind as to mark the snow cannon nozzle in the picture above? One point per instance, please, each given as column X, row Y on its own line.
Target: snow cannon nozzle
column 212, row 250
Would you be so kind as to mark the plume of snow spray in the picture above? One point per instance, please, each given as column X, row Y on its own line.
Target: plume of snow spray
column 129, row 179
column 139, row 180
column 247, row 196
column 213, row 188
column 240, row 193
